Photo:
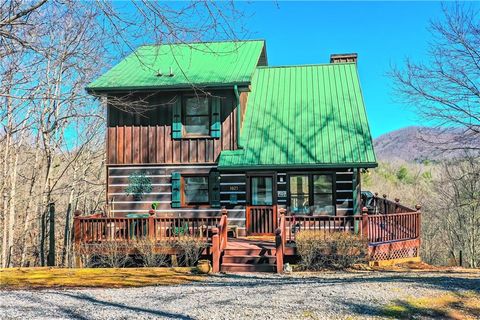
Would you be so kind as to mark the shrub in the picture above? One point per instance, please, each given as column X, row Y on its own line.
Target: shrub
column 152, row 253
column 336, row 250
column 110, row 254
column 190, row 250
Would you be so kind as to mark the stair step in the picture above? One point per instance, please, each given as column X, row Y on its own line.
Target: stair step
column 249, row 259
column 243, row 267
column 249, row 251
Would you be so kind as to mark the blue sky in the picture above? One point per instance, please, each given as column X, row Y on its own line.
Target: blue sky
column 382, row 33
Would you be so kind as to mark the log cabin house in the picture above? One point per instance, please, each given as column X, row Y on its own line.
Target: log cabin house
column 232, row 148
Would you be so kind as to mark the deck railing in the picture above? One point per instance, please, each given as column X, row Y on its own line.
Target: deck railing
column 261, row 220
column 99, row 229
column 298, row 223
column 382, row 205
column 376, row 228
column 393, row 227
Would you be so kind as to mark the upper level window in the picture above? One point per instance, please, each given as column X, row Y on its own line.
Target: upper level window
column 196, row 118
column 195, row 190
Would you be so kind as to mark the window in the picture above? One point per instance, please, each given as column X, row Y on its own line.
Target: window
column 323, row 194
column 299, row 194
column 312, row 194
column 196, row 116
column 262, row 191
column 195, row 190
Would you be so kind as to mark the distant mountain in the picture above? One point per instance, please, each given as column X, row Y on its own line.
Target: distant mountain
column 416, row 144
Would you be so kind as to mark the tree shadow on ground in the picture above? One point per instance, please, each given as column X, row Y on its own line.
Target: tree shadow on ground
column 448, row 283
column 122, row 307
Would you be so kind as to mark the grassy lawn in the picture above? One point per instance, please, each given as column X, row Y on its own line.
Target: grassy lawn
column 36, row 278
column 446, row 306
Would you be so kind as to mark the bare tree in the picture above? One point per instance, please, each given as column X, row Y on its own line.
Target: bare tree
column 51, row 130
column 457, row 209
column 445, row 89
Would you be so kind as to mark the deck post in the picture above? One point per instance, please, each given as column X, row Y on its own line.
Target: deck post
column 279, row 250
column 365, row 222
column 151, row 226
column 280, row 239
column 282, row 212
column 215, row 251
column 419, row 226
column 225, row 228
column 385, row 210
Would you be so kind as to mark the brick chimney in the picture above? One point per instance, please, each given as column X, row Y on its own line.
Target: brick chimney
column 343, row 57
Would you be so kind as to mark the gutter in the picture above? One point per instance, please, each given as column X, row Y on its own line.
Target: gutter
column 174, row 87
column 252, row 167
column 239, row 113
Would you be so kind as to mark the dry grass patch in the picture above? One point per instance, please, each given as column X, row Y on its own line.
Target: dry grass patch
column 446, row 306
column 37, row 278
column 424, row 267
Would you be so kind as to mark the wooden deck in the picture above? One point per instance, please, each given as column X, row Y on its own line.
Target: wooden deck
column 390, row 236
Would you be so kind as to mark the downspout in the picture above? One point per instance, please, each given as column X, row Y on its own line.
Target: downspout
column 239, row 114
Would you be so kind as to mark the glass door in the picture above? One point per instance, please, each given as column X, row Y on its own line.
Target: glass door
column 261, row 212
column 261, row 191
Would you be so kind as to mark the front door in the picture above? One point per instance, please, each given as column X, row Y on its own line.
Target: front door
column 261, row 212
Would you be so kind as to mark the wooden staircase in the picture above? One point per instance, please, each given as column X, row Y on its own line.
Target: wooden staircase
column 242, row 255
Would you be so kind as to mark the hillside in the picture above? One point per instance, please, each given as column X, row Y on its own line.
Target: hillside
column 415, row 144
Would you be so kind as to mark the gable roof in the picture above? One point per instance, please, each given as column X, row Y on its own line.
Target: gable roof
column 200, row 64
column 304, row 116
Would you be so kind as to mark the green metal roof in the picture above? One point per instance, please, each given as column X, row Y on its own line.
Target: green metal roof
column 304, row 116
column 201, row 64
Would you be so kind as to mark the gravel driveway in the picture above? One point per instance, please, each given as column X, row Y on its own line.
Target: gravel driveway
column 245, row 296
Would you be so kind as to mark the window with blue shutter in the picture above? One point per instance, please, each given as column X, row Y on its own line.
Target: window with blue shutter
column 177, row 119
column 214, row 185
column 176, row 201
column 216, row 126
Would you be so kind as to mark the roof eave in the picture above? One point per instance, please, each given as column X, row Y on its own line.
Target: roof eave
column 182, row 87
column 364, row 165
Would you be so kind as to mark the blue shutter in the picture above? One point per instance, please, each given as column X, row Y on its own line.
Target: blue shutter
column 214, row 186
column 216, row 126
column 177, row 119
column 176, row 189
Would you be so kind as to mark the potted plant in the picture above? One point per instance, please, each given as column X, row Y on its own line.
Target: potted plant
column 138, row 185
column 154, row 209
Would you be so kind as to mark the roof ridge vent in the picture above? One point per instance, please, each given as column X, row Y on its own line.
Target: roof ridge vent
column 343, row 57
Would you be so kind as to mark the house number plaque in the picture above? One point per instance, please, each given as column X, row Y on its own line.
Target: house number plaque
column 233, row 188
column 282, row 194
